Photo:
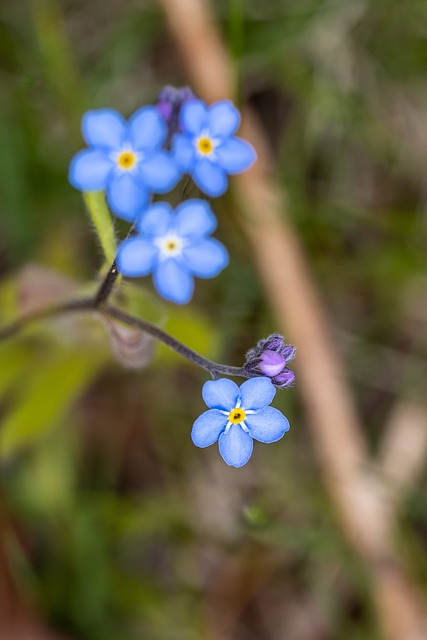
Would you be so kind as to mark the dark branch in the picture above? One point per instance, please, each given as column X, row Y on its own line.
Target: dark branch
column 91, row 304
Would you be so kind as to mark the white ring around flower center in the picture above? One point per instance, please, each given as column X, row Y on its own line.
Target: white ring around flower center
column 170, row 245
column 205, row 144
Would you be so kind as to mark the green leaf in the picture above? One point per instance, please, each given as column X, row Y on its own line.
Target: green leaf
column 15, row 357
column 101, row 218
column 48, row 397
column 8, row 300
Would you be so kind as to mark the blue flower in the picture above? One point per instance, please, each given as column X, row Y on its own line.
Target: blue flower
column 124, row 158
column 236, row 417
column 207, row 148
column 174, row 246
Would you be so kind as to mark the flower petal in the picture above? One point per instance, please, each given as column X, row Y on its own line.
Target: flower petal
column 157, row 220
column 183, row 151
column 147, row 128
column 193, row 116
column 206, row 258
column 235, row 155
column 173, row 281
column 209, row 177
column 257, row 393
column 159, row 172
column 221, row 394
column 271, row 363
column 224, row 119
column 126, row 196
column 195, row 218
column 235, row 446
column 89, row 170
column 268, row 425
column 136, row 257
column 104, row 128
column 208, row 427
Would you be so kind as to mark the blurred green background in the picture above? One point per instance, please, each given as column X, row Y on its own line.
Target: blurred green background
column 113, row 525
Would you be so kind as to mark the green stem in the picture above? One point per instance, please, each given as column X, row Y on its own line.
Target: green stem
column 101, row 218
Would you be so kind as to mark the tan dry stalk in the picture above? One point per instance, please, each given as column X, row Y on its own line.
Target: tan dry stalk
column 363, row 507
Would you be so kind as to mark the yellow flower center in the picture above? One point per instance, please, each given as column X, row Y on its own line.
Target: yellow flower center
column 126, row 160
column 205, row 145
column 236, row 415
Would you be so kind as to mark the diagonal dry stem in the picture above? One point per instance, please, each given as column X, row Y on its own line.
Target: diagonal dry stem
column 364, row 510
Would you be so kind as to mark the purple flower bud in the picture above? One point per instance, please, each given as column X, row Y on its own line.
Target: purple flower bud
column 269, row 358
column 169, row 104
column 284, row 379
column 271, row 363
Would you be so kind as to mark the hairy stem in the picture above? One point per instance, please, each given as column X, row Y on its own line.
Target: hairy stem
column 9, row 331
column 91, row 305
column 107, row 285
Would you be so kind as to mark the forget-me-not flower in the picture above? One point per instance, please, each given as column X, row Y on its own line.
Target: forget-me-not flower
column 124, row 158
column 236, row 417
column 207, row 148
column 174, row 246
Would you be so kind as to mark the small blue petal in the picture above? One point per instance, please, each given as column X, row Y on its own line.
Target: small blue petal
column 221, row 394
column 208, row 427
column 193, row 116
column 235, row 155
column 104, row 128
column 183, row 151
column 209, row 177
column 136, row 257
column 159, row 172
column 173, row 281
column 268, row 425
column 148, row 130
column 235, row 446
column 126, row 196
column 89, row 170
column 157, row 220
column 224, row 119
column 195, row 219
column 207, row 258
column 257, row 393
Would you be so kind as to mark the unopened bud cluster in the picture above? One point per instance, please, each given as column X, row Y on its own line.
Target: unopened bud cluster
column 270, row 358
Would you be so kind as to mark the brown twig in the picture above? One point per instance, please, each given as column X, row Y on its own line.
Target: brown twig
column 403, row 447
column 362, row 505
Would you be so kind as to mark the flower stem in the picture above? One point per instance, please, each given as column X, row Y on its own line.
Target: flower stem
column 107, row 285
column 214, row 368
column 101, row 218
column 9, row 331
column 91, row 305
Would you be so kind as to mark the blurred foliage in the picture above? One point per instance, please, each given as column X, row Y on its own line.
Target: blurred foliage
column 114, row 525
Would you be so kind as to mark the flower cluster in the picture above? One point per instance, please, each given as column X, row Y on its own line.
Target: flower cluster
column 134, row 161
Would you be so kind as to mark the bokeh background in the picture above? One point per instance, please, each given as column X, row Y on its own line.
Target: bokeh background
column 113, row 526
